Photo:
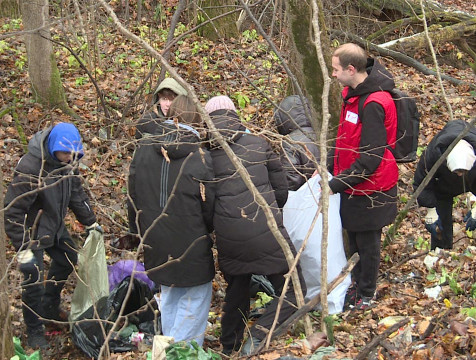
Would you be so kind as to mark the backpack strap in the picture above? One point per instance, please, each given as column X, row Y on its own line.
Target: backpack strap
column 362, row 100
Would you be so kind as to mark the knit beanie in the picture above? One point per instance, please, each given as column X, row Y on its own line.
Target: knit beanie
column 65, row 137
column 462, row 157
column 221, row 102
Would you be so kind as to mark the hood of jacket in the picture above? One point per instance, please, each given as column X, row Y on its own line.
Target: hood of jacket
column 178, row 140
column 378, row 79
column 229, row 125
column 291, row 115
column 38, row 147
column 171, row 84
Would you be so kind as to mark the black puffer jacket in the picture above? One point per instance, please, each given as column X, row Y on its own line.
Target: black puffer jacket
column 43, row 209
column 170, row 182
column 149, row 123
column 444, row 183
column 291, row 120
column 244, row 241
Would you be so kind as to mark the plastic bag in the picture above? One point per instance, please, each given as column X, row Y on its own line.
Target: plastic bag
column 88, row 330
column 298, row 214
column 125, row 268
column 20, row 354
column 93, row 281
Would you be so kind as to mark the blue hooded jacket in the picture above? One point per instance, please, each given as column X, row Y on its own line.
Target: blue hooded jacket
column 65, row 137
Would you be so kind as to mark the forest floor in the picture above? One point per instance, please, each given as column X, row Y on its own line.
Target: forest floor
column 439, row 328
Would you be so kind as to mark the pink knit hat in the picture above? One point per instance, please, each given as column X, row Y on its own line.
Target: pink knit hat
column 221, row 102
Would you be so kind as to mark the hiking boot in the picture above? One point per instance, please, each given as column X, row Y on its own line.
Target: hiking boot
column 227, row 351
column 362, row 303
column 36, row 338
column 350, row 296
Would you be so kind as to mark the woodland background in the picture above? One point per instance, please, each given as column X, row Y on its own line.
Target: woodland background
column 74, row 63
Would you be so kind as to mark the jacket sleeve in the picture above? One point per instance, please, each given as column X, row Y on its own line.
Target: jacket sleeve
column 79, row 203
column 208, row 198
column 277, row 177
column 292, row 165
column 427, row 197
column 372, row 146
column 20, row 197
column 131, row 213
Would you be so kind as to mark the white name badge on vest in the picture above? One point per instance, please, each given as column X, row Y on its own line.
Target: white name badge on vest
column 352, row 117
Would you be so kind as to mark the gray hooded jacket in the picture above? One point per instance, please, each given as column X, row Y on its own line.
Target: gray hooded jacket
column 299, row 147
column 39, row 195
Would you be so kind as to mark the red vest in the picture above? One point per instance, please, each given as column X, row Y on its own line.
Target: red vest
column 348, row 140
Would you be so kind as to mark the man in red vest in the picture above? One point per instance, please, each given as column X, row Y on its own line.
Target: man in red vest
column 364, row 168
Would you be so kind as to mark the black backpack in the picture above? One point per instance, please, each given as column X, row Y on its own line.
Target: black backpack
column 408, row 125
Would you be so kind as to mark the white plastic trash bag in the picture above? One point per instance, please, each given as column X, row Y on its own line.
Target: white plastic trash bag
column 92, row 275
column 298, row 214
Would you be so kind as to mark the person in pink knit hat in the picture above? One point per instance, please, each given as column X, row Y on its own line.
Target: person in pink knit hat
column 245, row 244
column 221, row 102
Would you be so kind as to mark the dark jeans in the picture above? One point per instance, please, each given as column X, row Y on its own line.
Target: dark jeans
column 237, row 305
column 38, row 295
column 365, row 272
column 444, row 240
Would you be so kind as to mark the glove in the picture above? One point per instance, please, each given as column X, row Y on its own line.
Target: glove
column 94, row 226
column 25, row 256
column 470, row 220
column 431, row 216
column 432, row 222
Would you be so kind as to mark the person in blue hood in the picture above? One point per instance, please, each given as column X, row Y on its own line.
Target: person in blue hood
column 45, row 184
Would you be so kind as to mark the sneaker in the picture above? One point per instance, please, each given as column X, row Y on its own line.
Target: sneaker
column 350, row 296
column 362, row 303
column 36, row 338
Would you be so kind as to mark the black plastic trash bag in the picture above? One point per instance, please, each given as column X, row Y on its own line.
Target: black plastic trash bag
column 260, row 283
column 88, row 331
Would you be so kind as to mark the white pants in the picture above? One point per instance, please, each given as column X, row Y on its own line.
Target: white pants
column 184, row 311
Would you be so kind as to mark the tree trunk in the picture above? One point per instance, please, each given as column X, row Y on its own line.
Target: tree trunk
column 9, row 8
column 44, row 75
column 6, row 343
column 438, row 36
column 305, row 64
column 224, row 27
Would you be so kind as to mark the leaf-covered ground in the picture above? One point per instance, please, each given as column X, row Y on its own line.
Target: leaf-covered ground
column 246, row 70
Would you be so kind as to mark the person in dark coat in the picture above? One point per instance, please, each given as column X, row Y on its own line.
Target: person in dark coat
column 165, row 93
column 291, row 121
column 457, row 175
column 245, row 244
column 172, row 195
column 364, row 168
column 45, row 184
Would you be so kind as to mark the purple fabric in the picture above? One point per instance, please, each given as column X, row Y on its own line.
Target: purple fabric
column 123, row 268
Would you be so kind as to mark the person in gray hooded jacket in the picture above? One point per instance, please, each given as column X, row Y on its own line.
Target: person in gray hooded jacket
column 299, row 152
column 45, row 184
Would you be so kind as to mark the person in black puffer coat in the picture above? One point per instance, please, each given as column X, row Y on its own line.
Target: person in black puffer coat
column 457, row 175
column 244, row 241
column 291, row 120
column 45, row 184
column 172, row 195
